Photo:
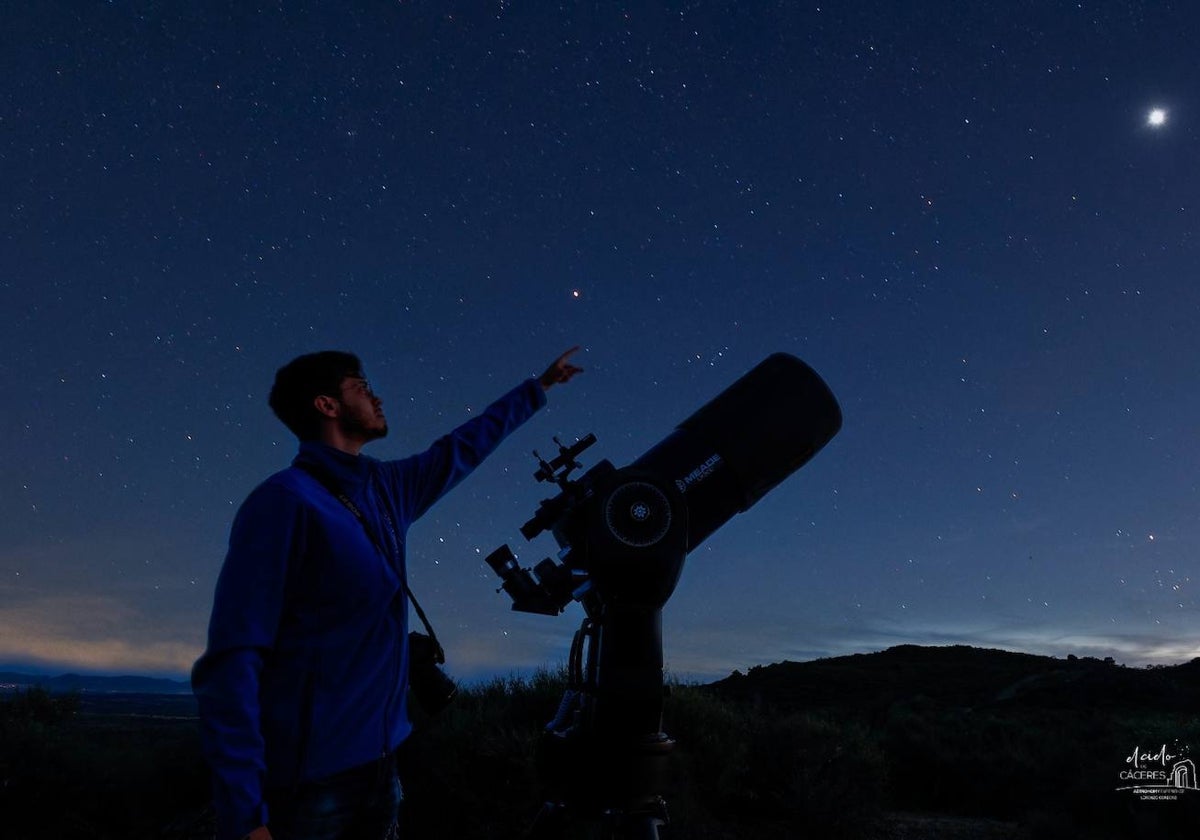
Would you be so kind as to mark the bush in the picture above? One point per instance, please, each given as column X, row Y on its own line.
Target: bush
column 749, row 770
column 37, row 705
column 470, row 772
column 67, row 775
column 738, row 769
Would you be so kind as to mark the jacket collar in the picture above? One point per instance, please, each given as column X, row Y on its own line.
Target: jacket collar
column 349, row 471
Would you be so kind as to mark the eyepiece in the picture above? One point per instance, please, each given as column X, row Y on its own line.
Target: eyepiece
column 503, row 562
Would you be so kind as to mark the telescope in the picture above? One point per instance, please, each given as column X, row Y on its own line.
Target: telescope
column 624, row 536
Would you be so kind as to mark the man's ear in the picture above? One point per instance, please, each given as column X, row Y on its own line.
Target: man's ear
column 327, row 406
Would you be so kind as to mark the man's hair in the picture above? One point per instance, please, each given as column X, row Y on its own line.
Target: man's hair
column 302, row 380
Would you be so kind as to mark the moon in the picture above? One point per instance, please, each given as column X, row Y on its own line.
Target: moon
column 1157, row 117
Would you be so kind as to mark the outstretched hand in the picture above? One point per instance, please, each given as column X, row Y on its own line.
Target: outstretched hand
column 560, row 370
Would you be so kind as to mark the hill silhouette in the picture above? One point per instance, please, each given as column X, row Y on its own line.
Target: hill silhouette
column 98, row 684
column 969, row 677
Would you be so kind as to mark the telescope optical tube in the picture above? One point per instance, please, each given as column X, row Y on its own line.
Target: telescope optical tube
column 745, row 441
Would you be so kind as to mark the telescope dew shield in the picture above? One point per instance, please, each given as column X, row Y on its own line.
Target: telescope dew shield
column 745, row 441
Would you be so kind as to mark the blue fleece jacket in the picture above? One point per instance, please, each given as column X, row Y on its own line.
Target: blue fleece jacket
column 306, row 668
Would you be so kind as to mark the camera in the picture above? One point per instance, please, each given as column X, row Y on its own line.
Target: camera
column 429, row 683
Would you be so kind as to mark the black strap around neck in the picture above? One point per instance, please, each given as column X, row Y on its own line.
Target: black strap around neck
column 327, row 481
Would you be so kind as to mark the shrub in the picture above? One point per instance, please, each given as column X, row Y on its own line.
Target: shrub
column 749, row 768
column 37, row 705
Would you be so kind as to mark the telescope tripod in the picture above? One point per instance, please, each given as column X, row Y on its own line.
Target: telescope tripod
column 603, row 757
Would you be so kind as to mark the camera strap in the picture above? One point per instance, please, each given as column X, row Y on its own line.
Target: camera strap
column 336, row 491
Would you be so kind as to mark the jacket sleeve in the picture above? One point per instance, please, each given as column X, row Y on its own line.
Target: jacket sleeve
column 266, row 534
column 423, row 479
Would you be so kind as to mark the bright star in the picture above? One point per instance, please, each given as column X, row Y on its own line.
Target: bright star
column 1157, row 117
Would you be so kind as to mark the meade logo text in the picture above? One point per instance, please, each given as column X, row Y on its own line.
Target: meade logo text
column 699, row 474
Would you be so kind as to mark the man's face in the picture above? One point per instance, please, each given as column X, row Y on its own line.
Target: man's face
column 362, row 412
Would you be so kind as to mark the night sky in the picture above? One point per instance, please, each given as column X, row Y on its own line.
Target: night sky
column 963, row 215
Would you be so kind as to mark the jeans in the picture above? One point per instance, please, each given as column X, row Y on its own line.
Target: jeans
column 362, row 803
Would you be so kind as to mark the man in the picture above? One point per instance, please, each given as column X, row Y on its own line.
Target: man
column 302, row 689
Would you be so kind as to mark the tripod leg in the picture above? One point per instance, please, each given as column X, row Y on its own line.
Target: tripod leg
column 550, row 822
column 643, row 823
column 635, row 828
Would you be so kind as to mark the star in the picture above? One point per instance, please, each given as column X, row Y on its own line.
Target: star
column 1157, row 117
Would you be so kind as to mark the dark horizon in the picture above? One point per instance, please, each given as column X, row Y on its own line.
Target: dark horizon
column 48, row 672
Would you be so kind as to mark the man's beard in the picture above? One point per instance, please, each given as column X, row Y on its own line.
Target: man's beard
column 354, row 427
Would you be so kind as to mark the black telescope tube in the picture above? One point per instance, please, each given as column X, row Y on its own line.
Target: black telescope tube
column 745, row 441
